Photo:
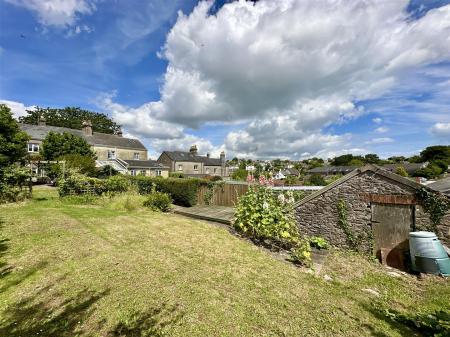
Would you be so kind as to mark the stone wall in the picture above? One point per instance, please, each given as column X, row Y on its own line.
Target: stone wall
column 319, row 216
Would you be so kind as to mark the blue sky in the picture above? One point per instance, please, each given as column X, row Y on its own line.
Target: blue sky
column 205, row 77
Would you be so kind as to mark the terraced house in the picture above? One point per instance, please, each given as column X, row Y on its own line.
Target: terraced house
column 191, row 164
column 126, row 155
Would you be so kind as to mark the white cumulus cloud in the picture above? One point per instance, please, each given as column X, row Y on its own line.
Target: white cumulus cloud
column 60, row 13
column 441, row 130
column 18, row 109
column 288, row 69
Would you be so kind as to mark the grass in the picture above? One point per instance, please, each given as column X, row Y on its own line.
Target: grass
column 109, row 267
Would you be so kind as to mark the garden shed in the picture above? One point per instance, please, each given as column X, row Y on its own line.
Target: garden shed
column 369, row 209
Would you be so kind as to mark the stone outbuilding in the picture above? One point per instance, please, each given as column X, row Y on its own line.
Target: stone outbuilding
column 380, row 209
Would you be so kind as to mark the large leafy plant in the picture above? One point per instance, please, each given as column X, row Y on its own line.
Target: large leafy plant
column 263, row 215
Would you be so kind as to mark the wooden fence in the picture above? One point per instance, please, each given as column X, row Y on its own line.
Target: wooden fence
column 222, row 195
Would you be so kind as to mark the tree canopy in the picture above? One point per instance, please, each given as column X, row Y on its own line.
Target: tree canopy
column 56, row 145
column 13, row 142
column 437, row 152
column 71, row 117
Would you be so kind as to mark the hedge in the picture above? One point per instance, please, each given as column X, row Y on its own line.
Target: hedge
column 182, row 191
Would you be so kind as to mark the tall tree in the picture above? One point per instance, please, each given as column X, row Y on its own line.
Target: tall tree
column 71, row 117
column 55, row 145
column 436, row 152
column 13, row 142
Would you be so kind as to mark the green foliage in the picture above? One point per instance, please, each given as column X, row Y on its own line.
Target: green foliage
column 78, row 184
column 15, row 184
column 158, row 201
column 332, row 178
column 106, row 171
column 318, row 242
column 56, row 145
column 263, row 215
column 84, row 164
column 216, row 178
column 176, row 175
column 435, row 324
column 13, row 142
column 371, row 158
column 430, row 171
column 400, row 170
column 291, row 181
column 436, row 152
column 354, row 241
column 301, row 252
column 71, row 117
column 435, row 204
column 415, row 159
column 211, row 188
column 239, row 174
column 117, row 184
column 316, row 180
column 182, row 191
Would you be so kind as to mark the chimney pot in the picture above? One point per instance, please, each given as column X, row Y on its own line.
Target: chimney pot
column 193, row 150
column 207, row 155
column 87, row 127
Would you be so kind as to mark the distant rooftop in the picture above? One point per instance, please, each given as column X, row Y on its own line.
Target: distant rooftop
column 38, row 132
column 188, row 156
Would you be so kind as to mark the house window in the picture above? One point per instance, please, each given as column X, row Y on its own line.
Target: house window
column 142, row 173
column 158, row 173
column 111, row 154
column 180, row 167
column 136, row 156
column 207, row 171
column 215, row 170
column 33, row 147
column 133, row 172
column 195, row 167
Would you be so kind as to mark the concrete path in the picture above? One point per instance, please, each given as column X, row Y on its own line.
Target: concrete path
column 221, row 214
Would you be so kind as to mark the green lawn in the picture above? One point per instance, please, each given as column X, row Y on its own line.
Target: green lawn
column 73, row 269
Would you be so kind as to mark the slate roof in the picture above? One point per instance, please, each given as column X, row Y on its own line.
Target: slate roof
column 409, row 167
column 369, row 167
column 442, row 185
column 290, row 172
column 181, row 156
column 144, row 164
column 38, row 132
column 333, row 169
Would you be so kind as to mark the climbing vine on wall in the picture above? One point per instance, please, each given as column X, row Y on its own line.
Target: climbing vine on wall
column 354, row 241
column 435, row 204
column 211, row 187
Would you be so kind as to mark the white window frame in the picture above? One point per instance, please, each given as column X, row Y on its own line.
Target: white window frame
column 33, row 147
column 136, row 156
column 196, row 167
column 133, row 172
column 180, row 167
column 111, row 154
column 158, row 173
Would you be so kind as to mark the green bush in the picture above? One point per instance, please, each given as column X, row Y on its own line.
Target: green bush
column 158, row 201
column 216, row 178
column 76, row 184
column 117, row 184
column 182, row 191
column 14, row 184
column 240, row 174
column 401, row 171
column 318, row 242
column 176, row 175
column 301, row 252
column 316, row 180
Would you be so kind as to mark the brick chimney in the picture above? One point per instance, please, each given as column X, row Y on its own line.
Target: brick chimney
column 87, row 128
column 41, row 121
column 222, row 163
column 193, row 150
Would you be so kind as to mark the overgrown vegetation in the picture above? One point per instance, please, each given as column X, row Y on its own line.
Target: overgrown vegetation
column 158, row 201
column 354, row 241
column 435, row 204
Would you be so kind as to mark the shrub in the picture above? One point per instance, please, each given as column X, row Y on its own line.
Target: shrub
column 400, row 170
column 301, row 252
column 316, row 180
column 182, row 191
column 117, row 184
column 240, row 174
column 216, row 178
column 158, row 201
column 176, row 175
column 318, row 242
column 76, row 184
column 14, row 184
column 263, row 215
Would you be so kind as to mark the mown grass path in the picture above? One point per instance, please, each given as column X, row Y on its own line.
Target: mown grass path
column 101, row 270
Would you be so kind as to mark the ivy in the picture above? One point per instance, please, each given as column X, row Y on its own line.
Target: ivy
column 435, row 204
column 354, row 241
column 211, row 188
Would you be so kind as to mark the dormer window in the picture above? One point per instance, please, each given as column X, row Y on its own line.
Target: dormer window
column 136, row 156
column 111, row 154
